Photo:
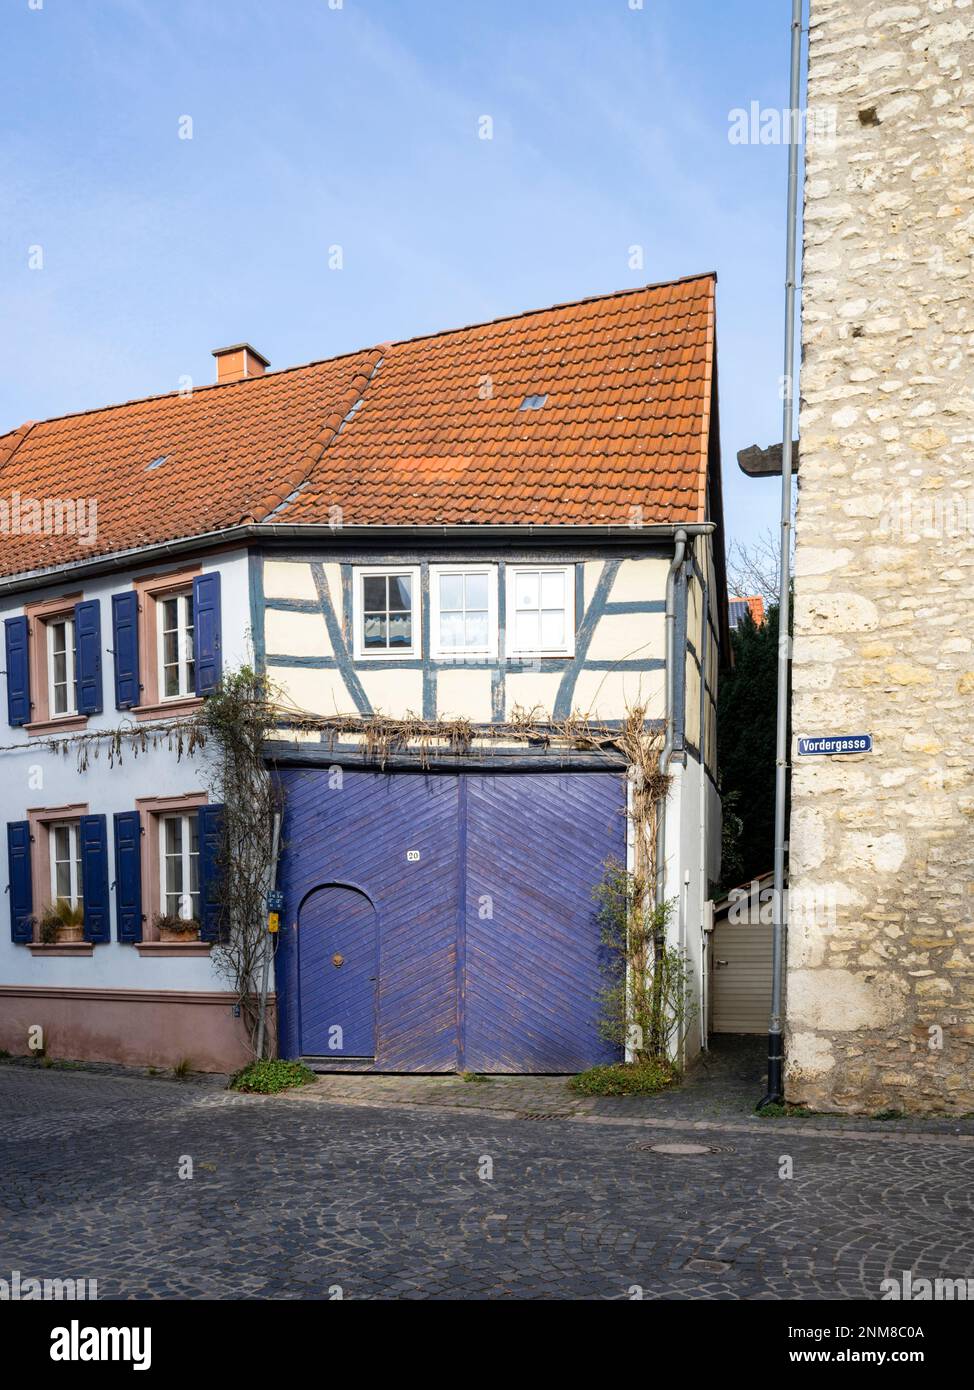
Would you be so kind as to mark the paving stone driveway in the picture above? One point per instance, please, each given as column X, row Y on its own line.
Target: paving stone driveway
column 292, row 1198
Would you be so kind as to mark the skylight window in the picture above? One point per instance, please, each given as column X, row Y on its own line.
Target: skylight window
column 156, row 463
column 532, row 402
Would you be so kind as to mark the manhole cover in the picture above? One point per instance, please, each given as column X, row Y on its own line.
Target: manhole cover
column 707, row 1266
column 683, row 1148
column 679, row 1150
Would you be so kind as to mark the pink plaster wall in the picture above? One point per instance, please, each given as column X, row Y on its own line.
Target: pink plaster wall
column 157, row 1028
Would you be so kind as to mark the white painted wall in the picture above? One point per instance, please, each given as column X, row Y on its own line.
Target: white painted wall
column 31, row 776
column 692, row 861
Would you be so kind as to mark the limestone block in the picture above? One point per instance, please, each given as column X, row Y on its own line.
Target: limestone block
column 871, row 853
column 809, row 1055
column 808, row 842
column 841, row 612
column 842, row 1001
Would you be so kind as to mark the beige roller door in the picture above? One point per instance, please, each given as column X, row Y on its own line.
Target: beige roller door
column 740, row 977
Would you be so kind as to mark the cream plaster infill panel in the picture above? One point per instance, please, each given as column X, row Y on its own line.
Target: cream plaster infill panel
column 288, row 579
column 632, row 636
column 318, row 692
column 692, row 701
column 463, row 694
column 636, row 581
column 611, row 694
column 591, row 574
column 531, row 690
column 395, row 693
column 694, row 609
column 296, row 634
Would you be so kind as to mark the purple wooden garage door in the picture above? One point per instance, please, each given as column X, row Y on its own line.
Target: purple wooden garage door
column 487, row 955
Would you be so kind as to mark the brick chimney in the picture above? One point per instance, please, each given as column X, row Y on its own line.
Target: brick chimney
column 236, row 362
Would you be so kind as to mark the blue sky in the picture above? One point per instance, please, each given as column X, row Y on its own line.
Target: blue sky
column 357, row 126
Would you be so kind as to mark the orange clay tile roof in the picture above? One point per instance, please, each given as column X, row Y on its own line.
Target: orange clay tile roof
column 424, row 432
column 753, row 603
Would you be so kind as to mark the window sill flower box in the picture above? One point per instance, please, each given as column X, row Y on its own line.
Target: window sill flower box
column 61, row 924
column 177, row 930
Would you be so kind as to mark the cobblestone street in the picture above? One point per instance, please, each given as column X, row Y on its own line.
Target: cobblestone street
column 291, row 1198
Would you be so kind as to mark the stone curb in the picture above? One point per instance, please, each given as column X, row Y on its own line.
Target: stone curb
column 209, row 1080
column 756, row 1127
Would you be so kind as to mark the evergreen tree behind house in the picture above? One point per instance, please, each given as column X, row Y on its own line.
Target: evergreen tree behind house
column 746, row 739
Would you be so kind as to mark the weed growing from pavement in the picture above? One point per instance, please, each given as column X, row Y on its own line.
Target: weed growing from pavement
column 776, row 1111
column 643, row 1078
column 268, row 1077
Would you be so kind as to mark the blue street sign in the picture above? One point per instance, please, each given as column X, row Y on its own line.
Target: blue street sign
column 275, row 901
column 836, row 743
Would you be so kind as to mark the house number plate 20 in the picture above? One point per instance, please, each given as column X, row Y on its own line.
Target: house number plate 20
column 412, row 856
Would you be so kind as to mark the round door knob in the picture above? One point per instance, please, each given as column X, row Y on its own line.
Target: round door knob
column 337, row 960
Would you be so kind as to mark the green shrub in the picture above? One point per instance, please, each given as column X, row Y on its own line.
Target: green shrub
column 268, row 1077
column 626, row 1079
column 473, row 1076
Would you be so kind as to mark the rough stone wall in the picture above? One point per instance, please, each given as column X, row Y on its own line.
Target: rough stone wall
column 880, row 1000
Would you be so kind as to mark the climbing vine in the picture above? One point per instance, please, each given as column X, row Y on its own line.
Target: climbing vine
column 646, row 1004
column 180, row 736
column 234, row 722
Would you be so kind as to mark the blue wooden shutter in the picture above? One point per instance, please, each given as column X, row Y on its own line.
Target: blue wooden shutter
column 87, row 641
column 128, row 875
column 207, row 638
column 125, row 645
column 21, row 892
column 94, row 869
column 211, row 851
column 18, row 671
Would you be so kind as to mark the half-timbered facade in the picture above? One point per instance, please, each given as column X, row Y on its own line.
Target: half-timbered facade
column 513, row 524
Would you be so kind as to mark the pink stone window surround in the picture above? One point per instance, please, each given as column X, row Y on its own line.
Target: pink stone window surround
column 151, row 590
column 38, row 616
column 41, row 820
column 152, row 809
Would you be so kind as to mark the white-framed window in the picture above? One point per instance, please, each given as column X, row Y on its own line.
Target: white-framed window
column 540, row 610
column 179, row 866
column 463, row 610
column 61, row 655
column 67, row 883
column 386, row 611
column 177, row 668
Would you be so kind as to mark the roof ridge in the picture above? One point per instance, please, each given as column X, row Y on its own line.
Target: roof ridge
column 357, row 352
column 549, row 308
column 170, row 395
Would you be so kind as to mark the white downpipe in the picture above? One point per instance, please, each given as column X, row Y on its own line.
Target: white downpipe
column 631, row 858
column 704, row 799
column 679, row 553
